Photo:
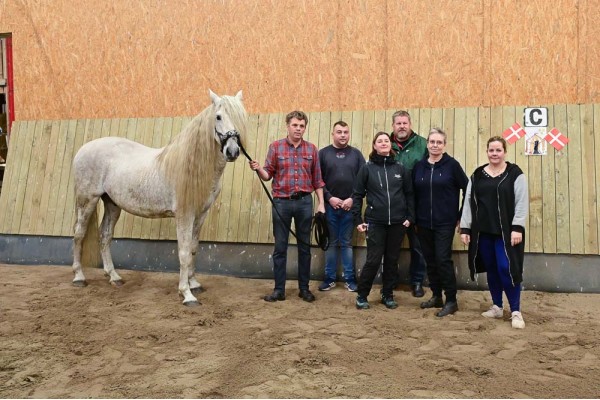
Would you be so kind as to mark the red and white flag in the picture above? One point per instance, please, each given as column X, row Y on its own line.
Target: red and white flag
column 556, row 139
column 513, row 133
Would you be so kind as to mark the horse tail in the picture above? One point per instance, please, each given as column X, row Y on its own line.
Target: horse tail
column 90, row 251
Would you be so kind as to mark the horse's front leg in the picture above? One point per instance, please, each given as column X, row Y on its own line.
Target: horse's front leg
column 195, row 286
column 187, row 245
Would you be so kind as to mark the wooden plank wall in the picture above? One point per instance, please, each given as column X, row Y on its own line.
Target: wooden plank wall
column 37, row 197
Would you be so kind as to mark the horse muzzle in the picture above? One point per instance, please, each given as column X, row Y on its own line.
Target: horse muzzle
column 231, row 152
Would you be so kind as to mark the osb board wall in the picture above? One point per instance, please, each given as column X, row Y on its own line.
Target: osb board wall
column 92, row 59
column 37, row 198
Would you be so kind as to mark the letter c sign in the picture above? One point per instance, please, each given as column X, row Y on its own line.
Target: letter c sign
column 535, row 117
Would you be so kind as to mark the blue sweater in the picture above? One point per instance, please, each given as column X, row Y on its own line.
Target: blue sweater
column 437, row 192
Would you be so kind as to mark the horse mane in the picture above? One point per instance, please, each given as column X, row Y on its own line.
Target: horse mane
column 192, row 162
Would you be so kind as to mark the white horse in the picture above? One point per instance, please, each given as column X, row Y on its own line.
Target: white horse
column 180, row 180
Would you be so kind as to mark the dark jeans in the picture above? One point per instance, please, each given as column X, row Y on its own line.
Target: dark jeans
column 301, row 211
column 382, row 241
column 417, row 261
column 437, row 250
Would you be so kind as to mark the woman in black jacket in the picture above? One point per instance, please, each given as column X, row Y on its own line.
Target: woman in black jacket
column 390, row 210
column 438, row 181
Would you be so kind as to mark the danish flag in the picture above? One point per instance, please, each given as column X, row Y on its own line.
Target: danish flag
column 556, row 139
column 513, row 133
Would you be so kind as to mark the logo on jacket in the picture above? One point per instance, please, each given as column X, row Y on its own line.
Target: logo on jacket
column 397, row 176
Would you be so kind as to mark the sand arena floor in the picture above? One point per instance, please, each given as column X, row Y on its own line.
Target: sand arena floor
column 139, row 341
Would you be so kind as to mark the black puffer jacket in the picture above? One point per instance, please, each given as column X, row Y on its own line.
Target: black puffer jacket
column 389, row 190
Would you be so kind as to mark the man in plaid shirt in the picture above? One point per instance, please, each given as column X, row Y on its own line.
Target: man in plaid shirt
column 293, row 164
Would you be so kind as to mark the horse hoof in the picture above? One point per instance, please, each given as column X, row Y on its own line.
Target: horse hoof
column 118, row 283
column 198, row 290
column 192, row 303
column 79, row 283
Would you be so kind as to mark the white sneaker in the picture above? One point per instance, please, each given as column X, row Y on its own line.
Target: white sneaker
column 517, row 320
column 493, row 312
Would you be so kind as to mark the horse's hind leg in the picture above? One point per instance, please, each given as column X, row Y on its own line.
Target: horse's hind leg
column 85, row 207
column 107, row 229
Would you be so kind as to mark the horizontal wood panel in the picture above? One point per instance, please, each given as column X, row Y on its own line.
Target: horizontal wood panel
column 37, row 197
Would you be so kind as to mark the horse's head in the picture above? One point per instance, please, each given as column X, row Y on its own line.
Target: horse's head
column 230, row 119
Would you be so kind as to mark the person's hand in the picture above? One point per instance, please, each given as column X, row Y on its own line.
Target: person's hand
column 347, row 204
column 254, row 165
column 465, row 238
column 321, row 208
column 515, row 238
column 362, row 227
column 335, row 202
column 406, row 223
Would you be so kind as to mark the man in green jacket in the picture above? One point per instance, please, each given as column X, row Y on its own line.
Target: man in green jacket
column 410, row 148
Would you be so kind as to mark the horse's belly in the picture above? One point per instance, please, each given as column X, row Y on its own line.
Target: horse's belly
column 148, row 198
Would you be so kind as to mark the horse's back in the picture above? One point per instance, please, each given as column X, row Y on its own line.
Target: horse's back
column 100, row 160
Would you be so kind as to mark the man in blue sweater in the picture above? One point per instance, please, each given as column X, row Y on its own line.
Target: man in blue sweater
column 340, row 163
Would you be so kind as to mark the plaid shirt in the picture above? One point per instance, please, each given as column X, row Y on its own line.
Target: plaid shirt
column 294, row 169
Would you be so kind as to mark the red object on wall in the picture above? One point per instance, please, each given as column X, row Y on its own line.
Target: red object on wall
column 556, row 139
column 11, row 90
column 513, row 133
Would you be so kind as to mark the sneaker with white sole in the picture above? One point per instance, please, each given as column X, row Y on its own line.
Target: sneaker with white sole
column 493, row 312
column 351, row 286
column 517, row 320
column 325, row 286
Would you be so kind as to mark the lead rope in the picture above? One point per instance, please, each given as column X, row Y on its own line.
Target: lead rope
column 319, row 222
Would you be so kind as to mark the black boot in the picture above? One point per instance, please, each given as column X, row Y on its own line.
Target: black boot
column 449, row 308
column 417, row 290
column 433, row 302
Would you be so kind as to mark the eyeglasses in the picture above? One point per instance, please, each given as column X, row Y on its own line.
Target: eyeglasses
column 438, row 142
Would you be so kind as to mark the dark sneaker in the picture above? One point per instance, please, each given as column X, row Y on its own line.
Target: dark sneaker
column 362, row 303
column 389, row 302
column 351, row 286
column 325, row 286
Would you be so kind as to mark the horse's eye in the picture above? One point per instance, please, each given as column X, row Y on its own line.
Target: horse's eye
column 218, row 117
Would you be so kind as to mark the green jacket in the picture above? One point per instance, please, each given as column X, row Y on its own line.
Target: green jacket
column 412, row 152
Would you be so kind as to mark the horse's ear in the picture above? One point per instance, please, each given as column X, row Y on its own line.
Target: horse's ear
column 239, row 95
column 215, row 99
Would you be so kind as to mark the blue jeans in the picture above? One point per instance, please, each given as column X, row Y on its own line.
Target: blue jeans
column 418, row 265
column 301, row 211
column 340, row 224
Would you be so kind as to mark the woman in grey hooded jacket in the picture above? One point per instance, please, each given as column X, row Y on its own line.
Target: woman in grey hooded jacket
column 493, row 226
